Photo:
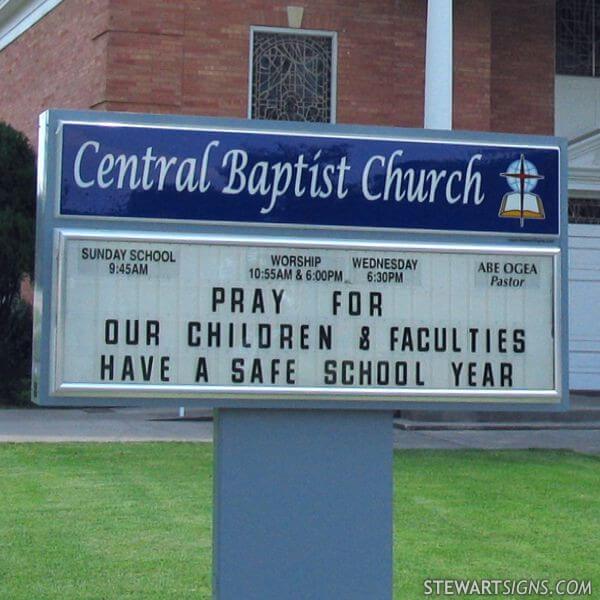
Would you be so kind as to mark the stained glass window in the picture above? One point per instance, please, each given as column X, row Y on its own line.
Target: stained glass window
column 584, row 211
column 292, row 77
column 577, row 37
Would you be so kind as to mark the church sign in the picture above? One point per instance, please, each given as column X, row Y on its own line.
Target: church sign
column 231, row 263
column 288, row 178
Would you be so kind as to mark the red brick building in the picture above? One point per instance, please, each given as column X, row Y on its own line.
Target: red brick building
column 193, row 57
column 491, row 65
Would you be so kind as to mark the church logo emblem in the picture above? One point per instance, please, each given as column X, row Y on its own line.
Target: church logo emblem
column 521, row 203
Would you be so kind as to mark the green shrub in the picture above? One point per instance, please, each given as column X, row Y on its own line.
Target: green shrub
column 17, row 236
column 15, row 355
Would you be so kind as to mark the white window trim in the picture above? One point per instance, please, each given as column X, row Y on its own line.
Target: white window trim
column 17, row 16
column 289, row 31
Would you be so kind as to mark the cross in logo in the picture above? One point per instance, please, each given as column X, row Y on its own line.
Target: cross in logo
column 523, row 176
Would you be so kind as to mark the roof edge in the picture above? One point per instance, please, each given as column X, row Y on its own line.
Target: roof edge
column 17, row 16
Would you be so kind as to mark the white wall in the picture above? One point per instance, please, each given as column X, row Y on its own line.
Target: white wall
column 584, row 307
column 577, row 105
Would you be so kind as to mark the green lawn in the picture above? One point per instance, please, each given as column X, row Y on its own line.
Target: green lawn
column 115, row 521
column 499, row 515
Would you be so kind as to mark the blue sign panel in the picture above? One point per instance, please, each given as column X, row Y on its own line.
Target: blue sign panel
column 309, row 180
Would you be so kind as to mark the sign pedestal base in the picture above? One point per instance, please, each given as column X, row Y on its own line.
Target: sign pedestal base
column 302, row 504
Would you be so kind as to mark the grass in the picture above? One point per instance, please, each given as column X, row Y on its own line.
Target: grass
column 117, row 521
column 498, row 515
column 105, row 521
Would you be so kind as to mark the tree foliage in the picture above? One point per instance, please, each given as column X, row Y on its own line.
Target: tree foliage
column 17, row 235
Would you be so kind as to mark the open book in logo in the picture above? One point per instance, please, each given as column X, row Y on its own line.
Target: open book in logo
column 522, row 177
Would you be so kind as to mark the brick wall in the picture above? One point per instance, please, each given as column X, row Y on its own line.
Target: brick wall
column 472, row 65
column 504, row 66
column 192, row 57
column 523, row 66
column 58, row 63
